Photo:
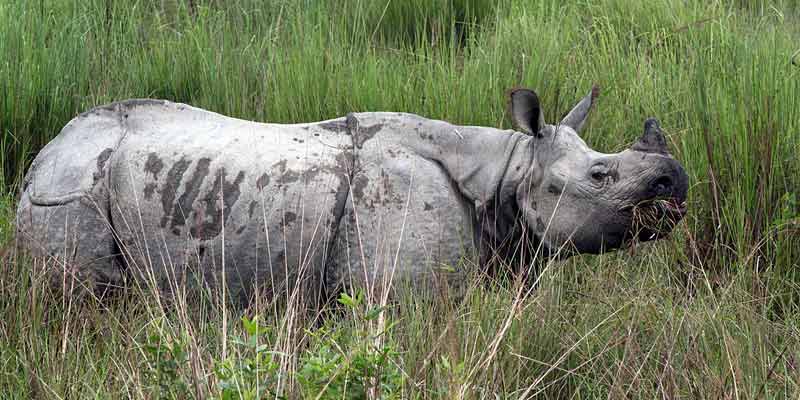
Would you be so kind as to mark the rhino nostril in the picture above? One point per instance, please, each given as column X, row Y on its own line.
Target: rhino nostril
column 662, row 186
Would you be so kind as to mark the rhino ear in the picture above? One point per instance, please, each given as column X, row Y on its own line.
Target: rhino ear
column 577, row 116
column 525, row 110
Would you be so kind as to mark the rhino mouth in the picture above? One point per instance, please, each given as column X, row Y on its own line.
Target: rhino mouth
column 655, row 218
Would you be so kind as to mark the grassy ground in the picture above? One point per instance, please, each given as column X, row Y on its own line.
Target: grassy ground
column 711, row 312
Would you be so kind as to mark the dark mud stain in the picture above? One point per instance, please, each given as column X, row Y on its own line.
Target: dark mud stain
column 298, row 140
column 183, row 207
column 338, row 126
column 540, row 227
column 387, row 183
column 361, row 134
column 289, row 217
column 367, row 132
column 103, row 157
column 262, row 181
column 149, row 189
column 309, row 174
column 101, row 165
column 252, row 210
column 359, row 183
column 427, row 206
column 153, row 165
column 170, row 188
column 218, row 203
column 241, row 229
column 285, row 175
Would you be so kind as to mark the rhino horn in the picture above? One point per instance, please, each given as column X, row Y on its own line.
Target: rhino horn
column 578, row 115
column 653, row 140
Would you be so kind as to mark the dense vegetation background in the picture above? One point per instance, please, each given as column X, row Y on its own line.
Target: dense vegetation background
column 712, row 312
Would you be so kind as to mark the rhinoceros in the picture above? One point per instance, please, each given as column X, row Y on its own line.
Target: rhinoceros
column 162, row 191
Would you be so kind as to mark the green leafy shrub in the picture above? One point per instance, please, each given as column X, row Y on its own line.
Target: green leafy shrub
column 350, row 362
column 251, row 373
column 165, row 356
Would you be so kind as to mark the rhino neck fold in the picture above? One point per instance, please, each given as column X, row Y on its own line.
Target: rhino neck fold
column 486, row 162
column 500, row 233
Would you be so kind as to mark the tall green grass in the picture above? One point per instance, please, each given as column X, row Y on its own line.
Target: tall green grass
column 711, row 312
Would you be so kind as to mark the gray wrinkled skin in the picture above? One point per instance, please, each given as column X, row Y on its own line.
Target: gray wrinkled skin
column 164, row 193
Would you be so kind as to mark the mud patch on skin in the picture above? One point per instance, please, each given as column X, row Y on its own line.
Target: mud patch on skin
column 427, row 206
column 361, row 134
column 153, row 165
column 359, row 183
column 337, row 126
column 190, row 192
column 252, row 210
column 289, row 217
column 387, row 183
column 149, row 189
column 101, row 164
column 224, row 193
column 366, row 133
column 262, row 181
column 103, row 157
column 540, row 227
column 170, row 188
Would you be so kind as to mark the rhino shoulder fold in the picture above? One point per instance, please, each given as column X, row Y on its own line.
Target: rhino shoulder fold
column 73, row 163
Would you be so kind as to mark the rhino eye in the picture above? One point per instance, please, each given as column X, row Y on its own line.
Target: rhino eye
column 599, row 173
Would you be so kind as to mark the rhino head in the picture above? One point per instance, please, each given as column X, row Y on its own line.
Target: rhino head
column 584, row 201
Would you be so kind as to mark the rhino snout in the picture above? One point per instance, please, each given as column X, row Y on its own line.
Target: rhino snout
column 671, row 183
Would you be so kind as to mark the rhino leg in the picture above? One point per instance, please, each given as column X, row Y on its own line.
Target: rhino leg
column 76, row 239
